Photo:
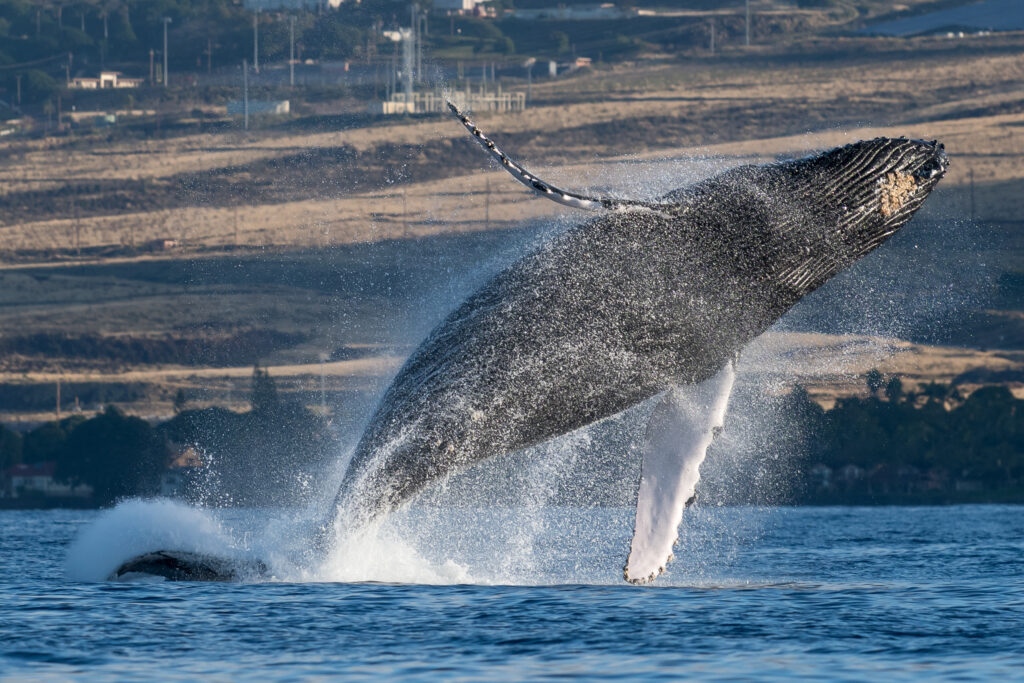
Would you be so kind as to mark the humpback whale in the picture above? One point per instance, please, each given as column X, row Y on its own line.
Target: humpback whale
column 649, row 298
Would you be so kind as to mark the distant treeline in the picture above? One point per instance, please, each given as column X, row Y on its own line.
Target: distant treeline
column 39, row 35
column 896, row 446
column 261, row 457
column 891, row 446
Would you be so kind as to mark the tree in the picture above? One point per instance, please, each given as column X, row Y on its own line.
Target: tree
column 10, row 447
column 46, row 441
column 561, row 41
column 330, row 37
column 894, row 390
column 264, row 391
column 180, row 401
column 874, row 381
column 115, row 454
column 38, row 86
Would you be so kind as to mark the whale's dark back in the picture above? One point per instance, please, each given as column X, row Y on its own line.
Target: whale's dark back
column 617, row 309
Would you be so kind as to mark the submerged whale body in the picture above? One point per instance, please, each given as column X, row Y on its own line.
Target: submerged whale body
column 650, row 297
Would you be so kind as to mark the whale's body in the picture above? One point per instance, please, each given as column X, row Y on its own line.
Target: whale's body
column 600, row 318
column 628, row 305
column 651, row 297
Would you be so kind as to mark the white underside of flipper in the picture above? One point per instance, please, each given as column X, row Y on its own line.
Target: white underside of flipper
column 679, row 432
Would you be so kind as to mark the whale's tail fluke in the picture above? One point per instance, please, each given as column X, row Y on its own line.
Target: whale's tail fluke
column 679, row 432
column 545, row 189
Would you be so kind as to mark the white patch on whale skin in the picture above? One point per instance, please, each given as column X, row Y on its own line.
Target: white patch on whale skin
column 679, row 432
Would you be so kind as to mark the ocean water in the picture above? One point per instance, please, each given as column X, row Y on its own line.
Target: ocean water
column 932, row 593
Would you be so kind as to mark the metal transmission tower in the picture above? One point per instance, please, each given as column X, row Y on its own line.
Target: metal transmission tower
column 166, row 21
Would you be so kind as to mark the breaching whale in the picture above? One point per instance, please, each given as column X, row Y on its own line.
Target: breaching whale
column 649, row 298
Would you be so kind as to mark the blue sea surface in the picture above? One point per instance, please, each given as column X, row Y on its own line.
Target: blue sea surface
column 924, row 593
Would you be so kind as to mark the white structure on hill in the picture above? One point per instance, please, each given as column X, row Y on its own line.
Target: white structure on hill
column 107, row 79
column 272, row 5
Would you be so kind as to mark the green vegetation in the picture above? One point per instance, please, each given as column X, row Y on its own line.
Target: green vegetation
column 933, row 445
column 262, row 457
column 37, row 37
column 115, row 454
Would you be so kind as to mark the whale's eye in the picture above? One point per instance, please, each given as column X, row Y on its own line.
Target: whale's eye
column 929, row 169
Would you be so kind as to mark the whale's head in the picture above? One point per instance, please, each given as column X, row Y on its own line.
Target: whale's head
column 870, row 189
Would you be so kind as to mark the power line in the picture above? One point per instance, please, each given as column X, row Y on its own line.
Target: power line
column 35, row 62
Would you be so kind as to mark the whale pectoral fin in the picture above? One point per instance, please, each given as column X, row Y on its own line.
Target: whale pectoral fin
column 546, row 189
column 679, row 432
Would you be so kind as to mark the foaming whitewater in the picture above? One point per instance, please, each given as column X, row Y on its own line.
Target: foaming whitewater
column 136, row 527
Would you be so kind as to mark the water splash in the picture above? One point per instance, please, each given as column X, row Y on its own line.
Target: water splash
column 136, row 527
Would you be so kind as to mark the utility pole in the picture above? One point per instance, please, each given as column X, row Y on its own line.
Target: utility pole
column 166, row 21
column 413, row 21
column 78, row 228
column 487, row 205
column 152, row 73
column 209, row 56
column 323, row 388
column 421, row 25
column 748, row 23
column 291, row 51
column 256, row 42
column 17, row 79
column 409, row 66
column 67, row 70
column 245, row 93
column 972, row 194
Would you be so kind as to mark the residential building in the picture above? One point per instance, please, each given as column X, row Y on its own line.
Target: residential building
column 106, row 80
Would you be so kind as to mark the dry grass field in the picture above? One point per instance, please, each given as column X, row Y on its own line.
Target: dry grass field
column 291, row 214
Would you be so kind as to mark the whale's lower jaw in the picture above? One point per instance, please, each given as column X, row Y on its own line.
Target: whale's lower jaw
column 177, row 565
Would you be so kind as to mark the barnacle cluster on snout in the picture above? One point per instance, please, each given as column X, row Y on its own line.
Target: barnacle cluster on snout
column 894, row 189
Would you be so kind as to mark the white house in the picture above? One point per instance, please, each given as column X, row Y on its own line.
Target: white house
column 107, row 79
column 36, row 480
